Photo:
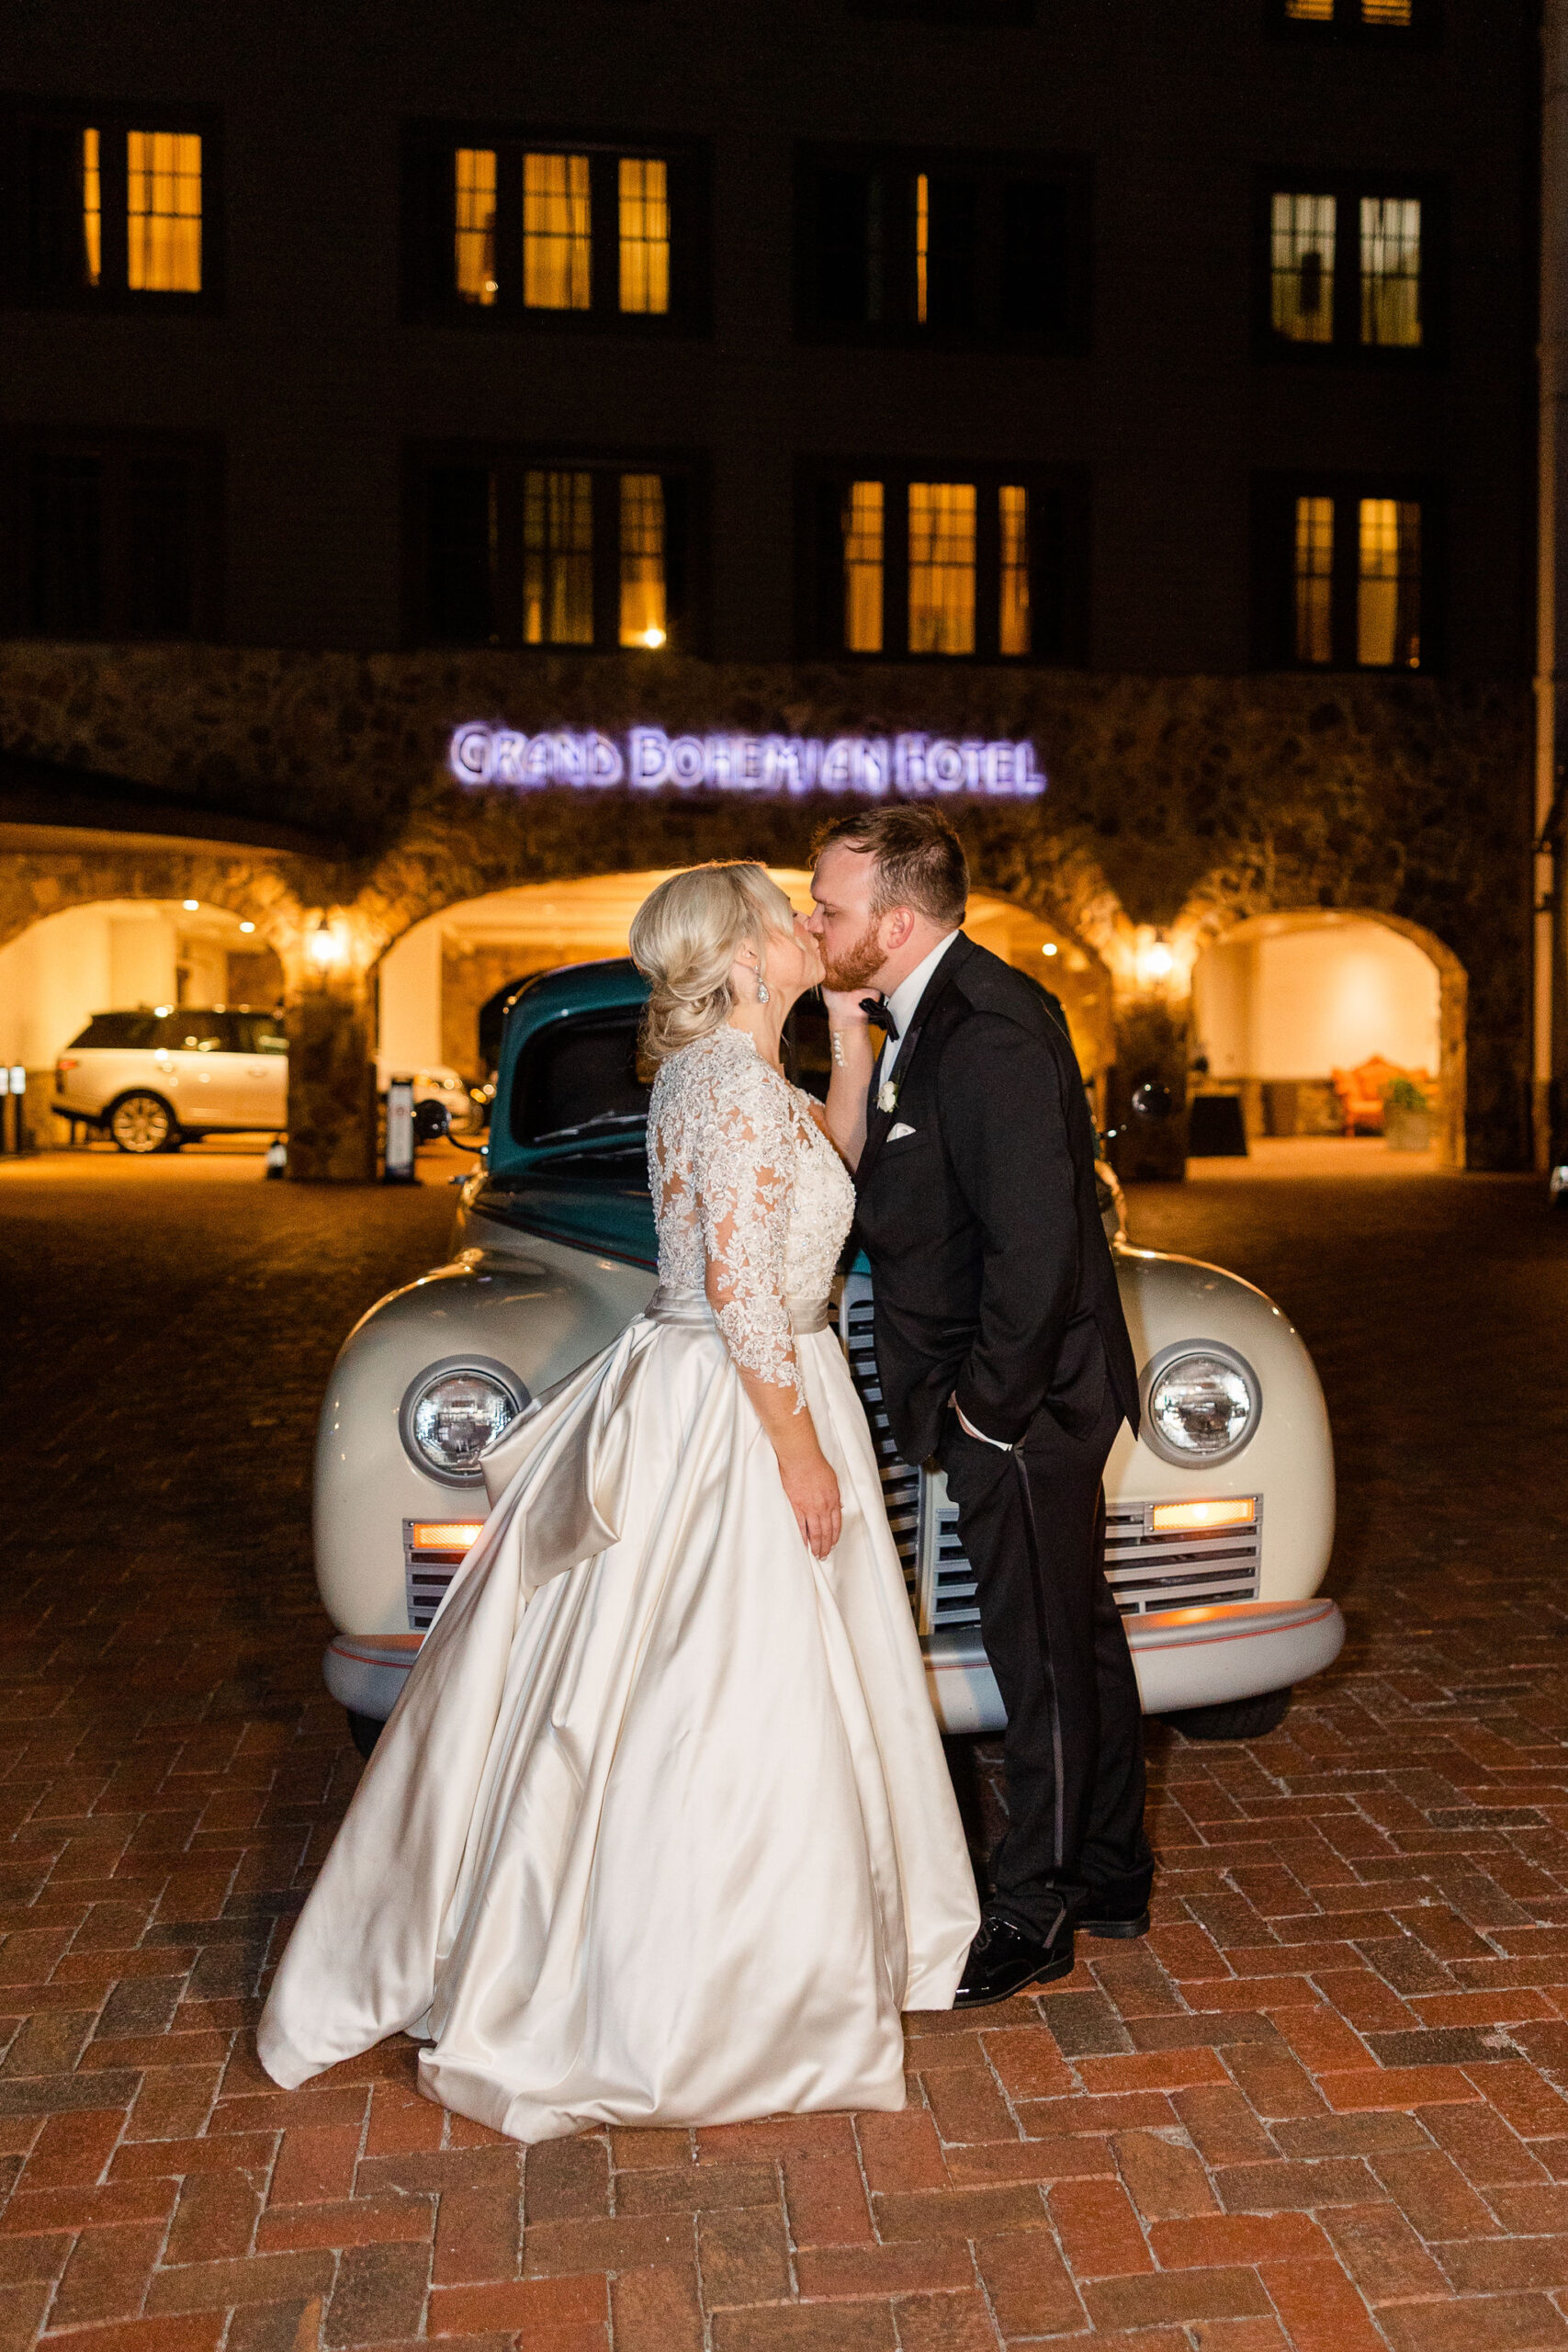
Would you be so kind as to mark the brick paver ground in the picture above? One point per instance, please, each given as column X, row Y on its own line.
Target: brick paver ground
column 1319, row 2107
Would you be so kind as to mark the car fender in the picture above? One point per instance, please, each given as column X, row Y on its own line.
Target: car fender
column 538, row 1308
column 1289, row 1459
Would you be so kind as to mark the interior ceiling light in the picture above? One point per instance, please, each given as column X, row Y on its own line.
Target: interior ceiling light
column 191, row 905
column 1049, row 948
column 247, row 926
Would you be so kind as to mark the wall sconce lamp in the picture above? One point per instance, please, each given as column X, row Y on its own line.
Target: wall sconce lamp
column 323, row 947
column 1155, row 959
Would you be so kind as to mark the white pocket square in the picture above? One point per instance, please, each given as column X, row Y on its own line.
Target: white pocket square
column 894, row 1132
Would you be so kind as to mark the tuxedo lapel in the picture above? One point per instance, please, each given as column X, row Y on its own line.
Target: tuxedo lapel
column 878, row 1122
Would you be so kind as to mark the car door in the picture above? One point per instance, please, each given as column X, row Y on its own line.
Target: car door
column 191, row 1060
column 263, row 1067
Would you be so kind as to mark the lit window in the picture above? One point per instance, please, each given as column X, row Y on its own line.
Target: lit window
column 92, row 208
column 476, row 224
column 1315, row 580
column 923, row 247
column 1302, row 237
column 1311, row 12
column 863, row 567
column 942, row 567
column 557, row 247
column 1013, row 620
column 1385, row 11
column 163, row 211
column 1388, row 595
column 558, row 559
column 644, row 617
column 1391, row 270
column 645, row 234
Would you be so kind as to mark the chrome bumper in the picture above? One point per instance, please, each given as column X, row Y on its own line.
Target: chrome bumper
column 1184, row 1657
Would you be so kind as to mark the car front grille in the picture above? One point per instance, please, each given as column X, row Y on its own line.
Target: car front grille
column 434, row 1551
column 1147, row 1568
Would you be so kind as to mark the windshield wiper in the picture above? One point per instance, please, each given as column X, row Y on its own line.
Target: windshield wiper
column 601, row 1119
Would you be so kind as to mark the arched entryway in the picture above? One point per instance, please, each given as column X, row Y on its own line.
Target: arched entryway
column 436, row 979
column 1311, row 1014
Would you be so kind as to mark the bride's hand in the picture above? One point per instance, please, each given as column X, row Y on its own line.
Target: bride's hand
column 813, row 1494
column 844, row 1007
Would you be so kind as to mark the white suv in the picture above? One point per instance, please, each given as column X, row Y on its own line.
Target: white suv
column 157, row 1079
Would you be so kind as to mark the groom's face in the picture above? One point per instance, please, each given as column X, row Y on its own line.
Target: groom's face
column 849, row 934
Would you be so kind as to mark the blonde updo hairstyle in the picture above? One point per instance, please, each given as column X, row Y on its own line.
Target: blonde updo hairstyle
column 685, row 937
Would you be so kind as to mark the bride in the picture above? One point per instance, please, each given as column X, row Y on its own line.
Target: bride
column 660, row 1830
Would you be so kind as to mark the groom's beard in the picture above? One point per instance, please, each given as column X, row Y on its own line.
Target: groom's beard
column 855, row 968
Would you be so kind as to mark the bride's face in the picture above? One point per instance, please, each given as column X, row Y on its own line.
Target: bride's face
column 794, row 961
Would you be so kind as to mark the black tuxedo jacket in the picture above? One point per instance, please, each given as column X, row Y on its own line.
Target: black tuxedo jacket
column 994, row 1279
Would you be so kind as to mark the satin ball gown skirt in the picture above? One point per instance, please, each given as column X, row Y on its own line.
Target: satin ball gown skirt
column 660, row 1831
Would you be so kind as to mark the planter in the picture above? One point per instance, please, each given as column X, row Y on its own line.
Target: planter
column 1407, row 1130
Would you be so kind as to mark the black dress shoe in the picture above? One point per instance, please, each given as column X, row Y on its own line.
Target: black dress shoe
column 1003, row 1960
column 1122, row 1925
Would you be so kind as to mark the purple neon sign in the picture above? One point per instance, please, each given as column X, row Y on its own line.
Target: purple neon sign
column 647, row 760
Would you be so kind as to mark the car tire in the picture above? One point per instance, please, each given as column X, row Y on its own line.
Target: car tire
column 143, row 1124
column 1232, row 1718
column 364, row 1730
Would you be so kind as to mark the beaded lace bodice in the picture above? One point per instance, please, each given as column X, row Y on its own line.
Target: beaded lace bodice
column 745, row 1183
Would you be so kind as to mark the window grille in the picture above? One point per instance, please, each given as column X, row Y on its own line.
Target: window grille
column 942, row 567
column 644, row 191
column 644, row 618
column 558, row 559
column 92, row 210
column 864, row 565
column 1013, row 628
column 1303, row 231
column 1315, row 580
column 163, row 211
column 1391, row 271
column 475, row 225
column 556, row 239
column 1388, row 599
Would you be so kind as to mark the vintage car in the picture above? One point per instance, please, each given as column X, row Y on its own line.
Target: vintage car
column 1219, row 1515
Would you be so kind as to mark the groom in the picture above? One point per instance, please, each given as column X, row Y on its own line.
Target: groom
column 1002, row 1351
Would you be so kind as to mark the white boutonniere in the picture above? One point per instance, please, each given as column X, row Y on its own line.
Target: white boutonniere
column 887, row 1095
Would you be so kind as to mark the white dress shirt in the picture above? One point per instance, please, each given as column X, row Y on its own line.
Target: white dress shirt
column 903, row 1004
column 904, row 1001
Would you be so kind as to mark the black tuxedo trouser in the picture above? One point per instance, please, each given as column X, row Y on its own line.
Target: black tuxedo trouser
column 1033, row 1526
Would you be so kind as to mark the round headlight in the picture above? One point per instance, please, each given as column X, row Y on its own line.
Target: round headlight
column 453, row 1411
column 1202, row 1404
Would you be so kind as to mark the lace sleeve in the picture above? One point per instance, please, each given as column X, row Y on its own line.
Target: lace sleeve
column 744, row 1175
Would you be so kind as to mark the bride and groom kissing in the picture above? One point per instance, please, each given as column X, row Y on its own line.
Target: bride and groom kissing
column 660, row 1831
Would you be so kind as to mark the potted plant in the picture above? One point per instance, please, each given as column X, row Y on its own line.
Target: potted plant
column 1407, row 1117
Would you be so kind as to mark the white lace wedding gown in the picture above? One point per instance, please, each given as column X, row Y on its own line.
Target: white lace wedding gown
column 660, row 1831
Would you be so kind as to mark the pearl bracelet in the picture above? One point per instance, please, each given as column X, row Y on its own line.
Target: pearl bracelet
column 836, row 1035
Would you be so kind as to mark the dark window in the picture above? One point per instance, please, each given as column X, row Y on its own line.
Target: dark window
column 1398, row 23
column 940, row 561
column 1347, row 575
column 579, row 1080
column 107, row 537
column 259, row 1032
column 947, row 12
column 1349, row 268
column 117, row 1032
column 110, row 207
column 190, row 1031
column 505, row 228
column 912, row 248
column 513, row 548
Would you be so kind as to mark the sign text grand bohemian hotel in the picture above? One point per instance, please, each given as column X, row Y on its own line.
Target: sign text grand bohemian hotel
column 646, row 759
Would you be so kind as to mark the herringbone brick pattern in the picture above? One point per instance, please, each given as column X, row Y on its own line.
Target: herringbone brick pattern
column 1317, row 2107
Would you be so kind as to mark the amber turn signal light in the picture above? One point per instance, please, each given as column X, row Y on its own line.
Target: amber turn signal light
column 445, row 1534
column 1236, row 1511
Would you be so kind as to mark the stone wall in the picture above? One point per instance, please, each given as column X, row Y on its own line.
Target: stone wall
column 1178, row 804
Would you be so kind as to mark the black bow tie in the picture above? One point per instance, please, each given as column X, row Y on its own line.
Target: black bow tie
column 877, row 1009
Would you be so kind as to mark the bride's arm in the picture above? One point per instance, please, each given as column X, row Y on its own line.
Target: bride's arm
column 743, row 1178
column 854, row 1051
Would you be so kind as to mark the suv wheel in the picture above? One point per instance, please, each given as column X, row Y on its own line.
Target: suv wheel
column 142, row 1123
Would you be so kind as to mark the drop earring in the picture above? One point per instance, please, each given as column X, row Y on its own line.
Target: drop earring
column 761, row 990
